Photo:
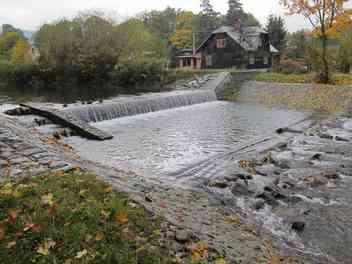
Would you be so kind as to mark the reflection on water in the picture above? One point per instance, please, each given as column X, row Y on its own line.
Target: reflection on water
column 67, row 94
column 161, row 143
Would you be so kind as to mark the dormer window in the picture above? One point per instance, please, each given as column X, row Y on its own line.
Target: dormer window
column 220, row 43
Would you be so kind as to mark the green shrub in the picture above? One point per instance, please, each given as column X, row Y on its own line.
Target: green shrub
column 23, row 73
column 18, row 73
column 5, row 70
column 137, row 72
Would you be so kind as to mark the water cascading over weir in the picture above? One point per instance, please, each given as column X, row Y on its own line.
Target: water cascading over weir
column 150, row 103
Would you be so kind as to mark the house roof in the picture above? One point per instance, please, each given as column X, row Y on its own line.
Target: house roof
column 273, row 49
column 248, row 38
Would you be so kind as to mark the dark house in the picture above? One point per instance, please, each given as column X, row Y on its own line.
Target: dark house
column 233, row 47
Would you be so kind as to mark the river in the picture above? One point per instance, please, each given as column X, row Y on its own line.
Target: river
column 161, row 143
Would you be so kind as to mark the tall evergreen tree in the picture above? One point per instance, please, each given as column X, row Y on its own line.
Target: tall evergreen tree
column 235, row 12
column 277, row 32
column 209, row 19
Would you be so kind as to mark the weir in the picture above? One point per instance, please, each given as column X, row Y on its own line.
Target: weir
column 109, row 111
column 149, row 103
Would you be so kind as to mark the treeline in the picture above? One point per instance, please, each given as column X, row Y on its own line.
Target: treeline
column 301, row 51
column 95, row 48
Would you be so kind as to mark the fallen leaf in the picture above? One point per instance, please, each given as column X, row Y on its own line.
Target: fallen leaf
column 81, row 254
column 11, row 244
column 132, row 204
column 274, row 260
column 121, row 218
column 108, row 190
column 105, row 214
column 48, row 199
column 60, row 173
column 83, row 192
column 88, row 238
column 233, row 219
column 220, row 261
column 12, row 218
column 196, row 257
column 36, row 228
column 6, row 189
column 99, row 236
column 53, row 209
column 17, row 194
column 128, row 234
column 199, row 250
column 44, row 249
column 68, row 261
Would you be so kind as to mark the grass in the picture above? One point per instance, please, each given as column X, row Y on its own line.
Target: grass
column 74, row 218
column 338, row 79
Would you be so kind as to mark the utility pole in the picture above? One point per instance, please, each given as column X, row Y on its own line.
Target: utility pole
column 194, row 43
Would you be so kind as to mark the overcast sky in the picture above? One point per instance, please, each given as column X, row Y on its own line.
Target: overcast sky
column 30, row 14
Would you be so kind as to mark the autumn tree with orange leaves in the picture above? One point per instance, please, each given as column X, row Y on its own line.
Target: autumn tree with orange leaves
column 328, row 18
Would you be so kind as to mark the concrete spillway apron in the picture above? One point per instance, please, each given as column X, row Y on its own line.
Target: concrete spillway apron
column 68, row 120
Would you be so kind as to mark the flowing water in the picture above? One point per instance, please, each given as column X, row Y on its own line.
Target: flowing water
column 130, row 106
column 162, row 143
column 192, row 140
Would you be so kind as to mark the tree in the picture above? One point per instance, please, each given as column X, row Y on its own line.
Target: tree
column 327, row 18
column 183, row 36
column 277, row 32
column 345, row 51
column 6, row 28
column 297, row 44
column 87, row 47
column 139, row 41
column 7, row 42
column 161, row 23
column 208, row 19
column 235, row 12
column 250, row 20
column 21, row 53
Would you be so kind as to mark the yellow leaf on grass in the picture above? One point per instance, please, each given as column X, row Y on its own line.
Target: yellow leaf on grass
column 221, row 261
column 108, row 190
column 11, row 244
column 68, row 261
column 17, row 194
column 81, row 254
column 121, row 218
column 48, row 199
column 196, row 257
column 59, row 173
column 99, row 236
column 275, row 260
column 88, row 238
column 44, row 249
column 6, row 189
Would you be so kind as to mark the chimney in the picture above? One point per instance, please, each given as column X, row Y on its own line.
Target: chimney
column 237, row 25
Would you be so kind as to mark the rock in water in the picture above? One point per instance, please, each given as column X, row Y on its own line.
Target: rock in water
column 219, row 184
column 182, row 236
column 298, row 226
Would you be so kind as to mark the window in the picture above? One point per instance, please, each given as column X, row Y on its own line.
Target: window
column 266, row 60
column 220, row 43
column 208, row 60
column 251, row 59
